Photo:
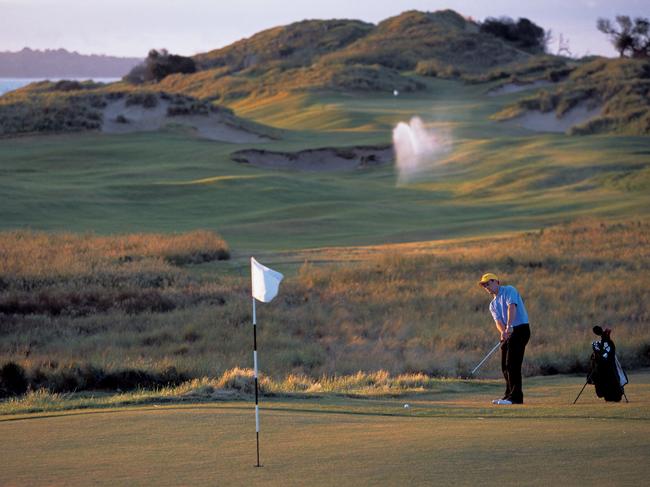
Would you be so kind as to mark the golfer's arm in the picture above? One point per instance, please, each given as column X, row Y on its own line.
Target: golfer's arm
column 500, row 325
column 512, row 314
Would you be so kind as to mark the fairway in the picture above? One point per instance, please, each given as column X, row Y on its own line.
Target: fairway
column 495, row 178
column 442, row 439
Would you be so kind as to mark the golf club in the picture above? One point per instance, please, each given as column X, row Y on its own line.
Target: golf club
column 486, row 357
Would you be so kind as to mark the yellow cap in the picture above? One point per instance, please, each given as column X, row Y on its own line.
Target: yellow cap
column 486, row 277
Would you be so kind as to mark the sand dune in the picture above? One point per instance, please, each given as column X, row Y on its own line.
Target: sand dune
column 517, row 87
column 118, row 118
column 549, row 121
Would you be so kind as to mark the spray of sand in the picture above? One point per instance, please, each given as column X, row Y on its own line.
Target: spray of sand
column 418, row 150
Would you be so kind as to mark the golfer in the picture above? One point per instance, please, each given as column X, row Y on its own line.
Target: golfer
column 511, row 318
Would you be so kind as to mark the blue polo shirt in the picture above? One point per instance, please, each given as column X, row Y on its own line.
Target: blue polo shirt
column 499, row 306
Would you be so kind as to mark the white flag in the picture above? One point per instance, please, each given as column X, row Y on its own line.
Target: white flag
column 265, row 281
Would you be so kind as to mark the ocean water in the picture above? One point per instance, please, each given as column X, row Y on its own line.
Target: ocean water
column 10, row 84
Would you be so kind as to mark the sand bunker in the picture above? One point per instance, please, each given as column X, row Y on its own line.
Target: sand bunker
column 318, row 160
column 120, row 118
column 517, row 87
column 549, row 122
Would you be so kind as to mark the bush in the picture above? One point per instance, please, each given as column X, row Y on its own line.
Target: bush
column 524, row 34
column 57, row 378
column 238, row 379
column 13, row 381
column 147, row 100
column 72, row 85
column 435, row 68
column 158, row 65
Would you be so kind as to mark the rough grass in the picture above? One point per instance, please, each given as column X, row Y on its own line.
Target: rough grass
column 402, row 41
column 68, row 106
column 293, row 45
column 237, row 384
column 231, row 89
column 536, row 68
column 406, row 311
column 77, row 275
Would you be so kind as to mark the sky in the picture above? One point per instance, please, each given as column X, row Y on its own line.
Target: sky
column 133, row 27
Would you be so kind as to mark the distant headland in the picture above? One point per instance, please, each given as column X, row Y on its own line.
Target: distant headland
column 59, row 63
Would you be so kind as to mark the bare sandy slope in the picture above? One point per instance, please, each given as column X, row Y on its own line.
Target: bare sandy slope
column 517, row 87
column 136, row 118
column 549, row 122
column 318, row 160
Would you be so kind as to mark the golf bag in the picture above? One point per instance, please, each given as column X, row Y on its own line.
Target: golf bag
column 607, row 375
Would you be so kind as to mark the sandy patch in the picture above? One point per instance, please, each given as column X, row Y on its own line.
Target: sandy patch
column 118, row 118
column 549, row 122
column 318, row 160
column 517, row 87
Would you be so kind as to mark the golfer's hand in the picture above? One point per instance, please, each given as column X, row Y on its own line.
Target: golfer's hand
column 505, row 334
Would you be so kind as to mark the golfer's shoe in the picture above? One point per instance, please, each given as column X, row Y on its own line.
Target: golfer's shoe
column 502, row 402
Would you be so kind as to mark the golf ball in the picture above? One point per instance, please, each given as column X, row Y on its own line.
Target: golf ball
column 406, row 406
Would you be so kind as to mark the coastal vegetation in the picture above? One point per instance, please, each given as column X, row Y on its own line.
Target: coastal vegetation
column 106, row 294
column 350, row 56
column 621, row 87
column 83, row 312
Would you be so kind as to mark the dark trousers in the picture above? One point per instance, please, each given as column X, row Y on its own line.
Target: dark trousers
column 512, row 356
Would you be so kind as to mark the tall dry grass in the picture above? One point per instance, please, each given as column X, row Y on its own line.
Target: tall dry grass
column 406, row 310
column 28, row 255
column 44, row 274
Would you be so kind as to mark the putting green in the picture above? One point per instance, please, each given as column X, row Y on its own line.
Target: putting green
column 442, row 439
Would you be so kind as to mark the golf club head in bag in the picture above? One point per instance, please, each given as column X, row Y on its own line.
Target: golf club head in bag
column 606, row 374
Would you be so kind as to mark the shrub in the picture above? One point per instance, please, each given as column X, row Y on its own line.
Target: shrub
column 436, row 68
column 71, row 377
column 13, row 381
column 523, row 33
column 146, row 99
column 72, row 85
column 158, row 65
column 242, row 380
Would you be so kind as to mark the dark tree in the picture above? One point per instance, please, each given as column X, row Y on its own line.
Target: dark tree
column 524, row 34
column 158, row 65
column 631, row 39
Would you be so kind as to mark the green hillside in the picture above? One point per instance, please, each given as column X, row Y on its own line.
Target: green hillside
column 349, row 56
column 295, row 45
column 446, row 37
column 346, row 55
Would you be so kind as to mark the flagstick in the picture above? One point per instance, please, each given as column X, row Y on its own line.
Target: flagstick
column 257, row 409
column 264, row 287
